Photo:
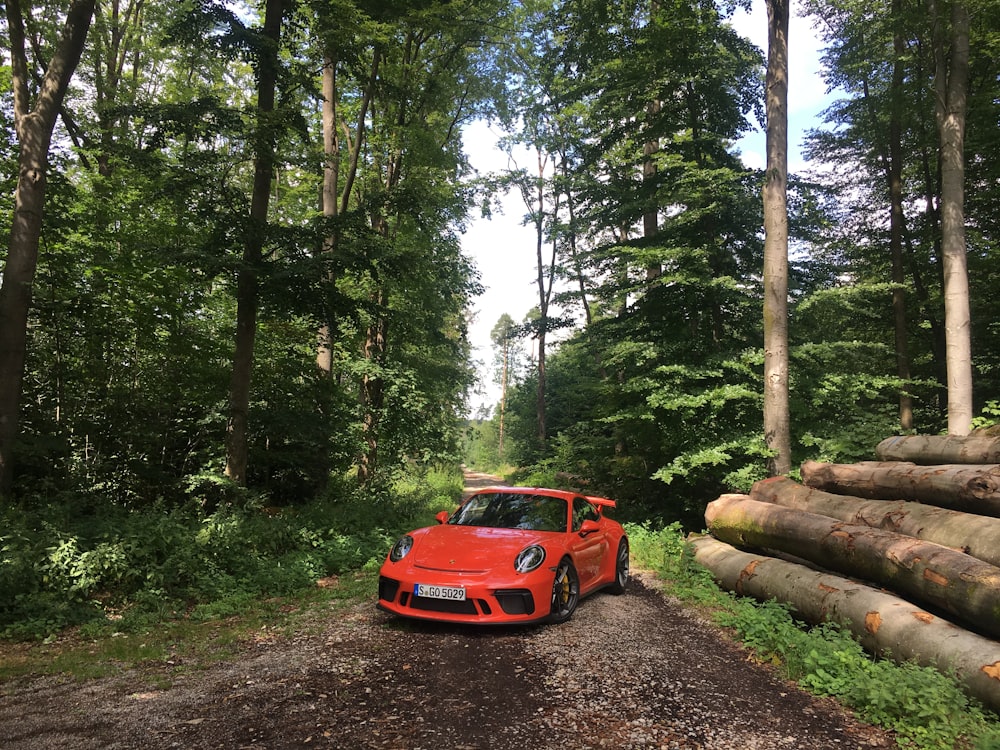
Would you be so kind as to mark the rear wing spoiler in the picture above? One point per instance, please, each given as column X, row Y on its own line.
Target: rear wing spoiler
column 602, row 502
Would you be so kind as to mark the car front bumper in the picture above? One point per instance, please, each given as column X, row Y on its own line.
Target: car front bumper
column 525, row 600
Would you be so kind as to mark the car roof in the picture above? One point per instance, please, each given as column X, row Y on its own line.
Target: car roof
column 564, row 494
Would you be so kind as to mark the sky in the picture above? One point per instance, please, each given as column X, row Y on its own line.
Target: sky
column 503, row 250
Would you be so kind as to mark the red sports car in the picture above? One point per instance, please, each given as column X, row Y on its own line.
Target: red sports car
column 507, row 555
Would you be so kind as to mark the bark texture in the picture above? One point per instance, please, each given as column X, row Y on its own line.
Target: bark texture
column 920, row 571
column 975, row 535
column 885, row 624
column 963, row 487
column 777, row 430
column 940, row 449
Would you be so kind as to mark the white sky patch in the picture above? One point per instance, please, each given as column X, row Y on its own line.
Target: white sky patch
column 503, row 250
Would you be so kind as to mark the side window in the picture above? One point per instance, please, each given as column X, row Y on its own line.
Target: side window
column 583, row 511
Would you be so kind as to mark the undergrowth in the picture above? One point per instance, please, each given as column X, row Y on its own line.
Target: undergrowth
column 923, row 707
column 121, row 570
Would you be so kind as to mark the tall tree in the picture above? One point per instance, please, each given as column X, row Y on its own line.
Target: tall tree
column 777, row 433
column 255, row 233
column 544, row 280
column 951, row 76
column 429, row 74
column 343, row 28
column 35, row 114
column 896, row 217
column 503, row 337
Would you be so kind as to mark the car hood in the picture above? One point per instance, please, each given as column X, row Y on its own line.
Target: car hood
column 471, row 548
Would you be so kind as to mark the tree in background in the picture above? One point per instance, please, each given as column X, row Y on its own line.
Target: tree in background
column 503, row 335
column 888, row 136
column 657, row 399
column 35, row 113
column 129, row 361
column 630, row 397
column 894, row 177
column 264, row 138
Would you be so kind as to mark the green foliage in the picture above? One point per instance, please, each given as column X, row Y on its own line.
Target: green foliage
column 61, row 566
column 988, row 418
column 481, row 444
column 925, row 708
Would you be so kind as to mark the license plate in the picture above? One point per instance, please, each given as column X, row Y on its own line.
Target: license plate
column 454, row 593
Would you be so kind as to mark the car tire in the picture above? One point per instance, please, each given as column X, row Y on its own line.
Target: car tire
column 565, row 592
column 621, row 569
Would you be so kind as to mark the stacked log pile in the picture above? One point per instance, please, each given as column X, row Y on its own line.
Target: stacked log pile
column 904, row 551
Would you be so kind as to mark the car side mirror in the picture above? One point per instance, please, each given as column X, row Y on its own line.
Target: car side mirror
column 589, row 527
column 443, row 516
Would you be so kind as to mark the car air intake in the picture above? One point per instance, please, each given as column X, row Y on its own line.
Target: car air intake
column 387, row 589
column 467, row 607
column 516, row 601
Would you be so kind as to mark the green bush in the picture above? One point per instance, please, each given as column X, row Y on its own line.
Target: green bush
column 66, row 564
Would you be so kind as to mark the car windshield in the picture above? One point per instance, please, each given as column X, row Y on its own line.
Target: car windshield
column 511, row 510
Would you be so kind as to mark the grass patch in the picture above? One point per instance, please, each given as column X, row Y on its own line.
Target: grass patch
column 925, row 708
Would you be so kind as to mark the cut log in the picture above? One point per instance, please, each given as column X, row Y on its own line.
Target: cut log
column 967, row 488
column 885, row 624
column 940, row 449
column 975, row 535
column 917, row 570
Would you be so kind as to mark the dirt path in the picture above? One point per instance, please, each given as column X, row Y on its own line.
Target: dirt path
column 632, row 671
column 475, row 480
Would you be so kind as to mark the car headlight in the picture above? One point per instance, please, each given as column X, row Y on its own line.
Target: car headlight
column 529, row 558
column 401, row 548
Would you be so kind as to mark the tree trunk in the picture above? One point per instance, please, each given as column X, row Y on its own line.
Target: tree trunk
column 966, row 488
column 921, row 571
column 651, row 212
column 885, row 624
column 972, row 534
column 895, row 177
column 34, row 126
column 940, row 449
column 503, row 389
column 777, row 430
column 329, row 197
column 951, row 74
column 373, row 388
column 541, row 430
column 246, row 294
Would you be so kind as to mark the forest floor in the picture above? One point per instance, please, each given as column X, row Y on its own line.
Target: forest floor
column 631, row 671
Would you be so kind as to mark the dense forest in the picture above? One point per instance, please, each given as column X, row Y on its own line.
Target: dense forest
column 234, row 282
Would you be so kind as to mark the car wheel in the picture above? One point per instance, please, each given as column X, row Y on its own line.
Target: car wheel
column 565, row 592
column 621, row 569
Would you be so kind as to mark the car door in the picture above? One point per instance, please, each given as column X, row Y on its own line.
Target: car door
column 591, row 549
